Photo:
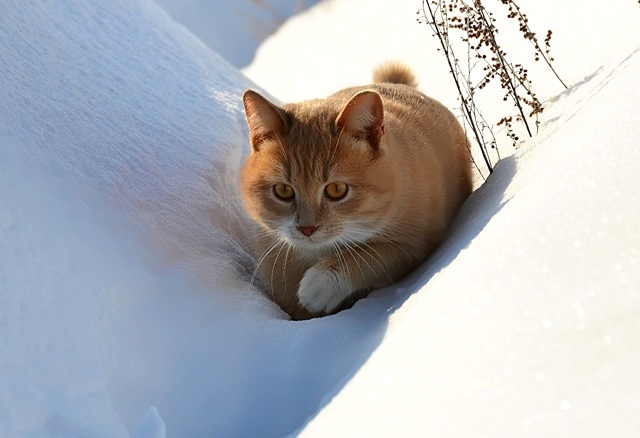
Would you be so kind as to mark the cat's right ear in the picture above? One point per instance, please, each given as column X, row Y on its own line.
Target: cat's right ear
column 266, row 120
column 363, row 118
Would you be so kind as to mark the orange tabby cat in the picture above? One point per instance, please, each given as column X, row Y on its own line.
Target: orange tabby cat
column 350, row 192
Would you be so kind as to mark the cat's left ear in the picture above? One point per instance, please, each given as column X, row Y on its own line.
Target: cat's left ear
column 363, row 118
column 266, row 120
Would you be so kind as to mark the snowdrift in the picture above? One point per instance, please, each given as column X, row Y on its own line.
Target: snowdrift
column 526, row 324
column 125, row 303
column 123, row 278
column 235, row 28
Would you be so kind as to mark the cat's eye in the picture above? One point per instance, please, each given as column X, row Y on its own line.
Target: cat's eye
column 336, row 190
column 284, row 191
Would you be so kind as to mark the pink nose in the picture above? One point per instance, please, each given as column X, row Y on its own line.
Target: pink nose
column 308, row 230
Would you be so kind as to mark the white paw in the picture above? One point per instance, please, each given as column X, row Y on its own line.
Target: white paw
column 322, row 289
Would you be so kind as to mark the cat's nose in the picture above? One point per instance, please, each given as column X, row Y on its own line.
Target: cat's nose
column 307, row 230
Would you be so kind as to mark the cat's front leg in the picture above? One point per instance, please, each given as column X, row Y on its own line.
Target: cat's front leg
column 323, row 287
column 331, row 280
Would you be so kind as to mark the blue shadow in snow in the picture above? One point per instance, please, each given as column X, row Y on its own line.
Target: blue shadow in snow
column 347, row 339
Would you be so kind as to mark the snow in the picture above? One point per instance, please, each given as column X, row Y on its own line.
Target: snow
column 125, row 303
column 234, row 29
column 151, row 425
column 541, row 341
column 340, row 41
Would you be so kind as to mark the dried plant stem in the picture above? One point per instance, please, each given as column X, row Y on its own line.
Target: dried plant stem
column 528, row 34
column 507, row 78
column 477, row 28
column 467, row 110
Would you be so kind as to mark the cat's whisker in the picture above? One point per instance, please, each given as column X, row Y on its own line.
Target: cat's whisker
column 379, row 259
column 262, row 258
column 385, row 237
column 275, row 263
column 341, row 259
column 353, row 248
column 354, row 253
column 284, row 267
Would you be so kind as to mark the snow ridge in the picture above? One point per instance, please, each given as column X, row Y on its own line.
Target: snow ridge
column 124, row 287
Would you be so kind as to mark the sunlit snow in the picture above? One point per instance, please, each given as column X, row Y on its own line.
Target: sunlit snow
column 125, row 302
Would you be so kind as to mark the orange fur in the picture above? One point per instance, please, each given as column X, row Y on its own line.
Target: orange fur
column 405, row 160
column 395, row 73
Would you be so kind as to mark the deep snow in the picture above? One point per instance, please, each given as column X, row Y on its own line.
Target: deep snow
column 125, row 306
column 526, row 324
column 124, row 284
column 234, row 29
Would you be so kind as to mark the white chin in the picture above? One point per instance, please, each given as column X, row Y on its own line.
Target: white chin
column 310, row 246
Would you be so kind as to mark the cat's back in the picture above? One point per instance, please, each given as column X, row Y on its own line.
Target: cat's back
column 409, row 111
column 427, row 140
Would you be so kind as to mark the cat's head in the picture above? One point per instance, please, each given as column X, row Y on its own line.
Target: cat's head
column 319, row 172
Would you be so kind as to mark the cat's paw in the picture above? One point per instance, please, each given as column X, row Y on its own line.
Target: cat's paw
column 322, row 290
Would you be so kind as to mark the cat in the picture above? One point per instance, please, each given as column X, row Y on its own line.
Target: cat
column 351, row 192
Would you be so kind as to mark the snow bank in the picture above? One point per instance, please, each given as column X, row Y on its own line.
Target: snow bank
column 339, row 42
column 140, row 114
column 125, row 306
column 118, row 129
column 234, row 29
column 54, row 284
column 526, row 324
column 123, row 274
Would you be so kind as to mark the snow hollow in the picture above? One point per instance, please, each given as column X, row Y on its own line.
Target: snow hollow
column 125, row 303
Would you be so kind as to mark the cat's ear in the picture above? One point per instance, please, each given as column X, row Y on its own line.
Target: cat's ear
column 266, row 120
column 363, row 118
